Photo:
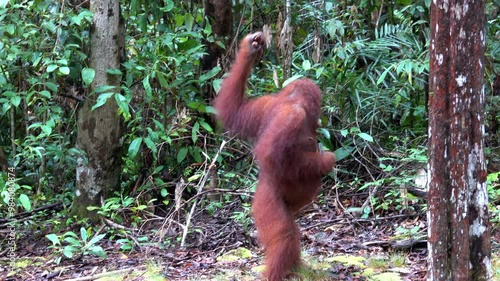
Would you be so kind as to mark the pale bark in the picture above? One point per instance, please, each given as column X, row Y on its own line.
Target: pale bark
column 459, row 238
column 100, row 131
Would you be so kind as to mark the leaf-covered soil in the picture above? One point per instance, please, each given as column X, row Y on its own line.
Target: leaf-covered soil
column 336, row 245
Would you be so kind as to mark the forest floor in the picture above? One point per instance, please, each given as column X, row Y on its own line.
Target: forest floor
column 337, row 244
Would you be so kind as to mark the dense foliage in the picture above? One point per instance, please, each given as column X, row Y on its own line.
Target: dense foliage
column 369, row 57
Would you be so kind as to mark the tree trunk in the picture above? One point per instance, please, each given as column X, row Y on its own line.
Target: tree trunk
column 459, row 237
column 220, row 15
column 100, row 130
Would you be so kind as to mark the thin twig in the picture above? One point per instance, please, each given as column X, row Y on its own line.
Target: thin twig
column 201, row 184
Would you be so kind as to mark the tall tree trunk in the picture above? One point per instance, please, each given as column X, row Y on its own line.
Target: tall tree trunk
column 220, row 15
column 100, row 131
column 459, row 237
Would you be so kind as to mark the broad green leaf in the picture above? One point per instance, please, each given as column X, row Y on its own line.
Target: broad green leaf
column 45, row 93
column 123, row 105
column 209, row 75
column 15, row 100
column 133, row 149
column 102, row 100
column 343, row 152
column 98, row 251
column 181, row 155
column 162, row 79
column 62, row 62
column 3, row 3
column 88, row 75
column 46, row 129
column 51, row 86
column 53, row 238
column 325, row 132
column 164, row 192
column 366, row 137
column 83, row 234
column 96, row 238
column 306, row 65
column 52, row 67
column 189, row 20
column 73, row 241
column 151, row 145
column 217, row 84
column 168, row 5
column 196, row 154
column 69, row 250
column 25, row 201
column 206, row 126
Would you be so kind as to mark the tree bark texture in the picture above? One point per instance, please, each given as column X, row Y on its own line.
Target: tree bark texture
column 220, row 15
column 459, row 238
column 100, row 131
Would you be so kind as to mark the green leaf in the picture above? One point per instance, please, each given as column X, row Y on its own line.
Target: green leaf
column 382, row 76
column 196, row 154
column 168, row 5
column 46, row 129
column 291, row 79
column 151, row 145
column 15, row 100
column 343, row 152
column 162, row 79
column 147, row 87
column 3, row 3
column 73, row 241
column 206, row 126
column 68, row 251
column 52, row 67
column 325, row 132
column 51, row 86
column 96, row 238
column 194, row 132
column 98, row 251
column 133, row 149
column 25, row 202
column 189, row 20
column 194, row 177
column 83, row 234
column 106, row 88
column 122, row 103
column 181, row 155
column 209, row 75
column 366, row 137
column 45, row 93
column 101, row 100
column 164, row 192
column 88, row 75
column 53, row 238
column 306, row 65
column 113, row 71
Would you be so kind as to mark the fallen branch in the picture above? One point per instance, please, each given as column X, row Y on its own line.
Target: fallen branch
column 104, row 274
column 399, row 245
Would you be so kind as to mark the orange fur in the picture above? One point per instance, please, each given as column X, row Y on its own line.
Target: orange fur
column 282, row 127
